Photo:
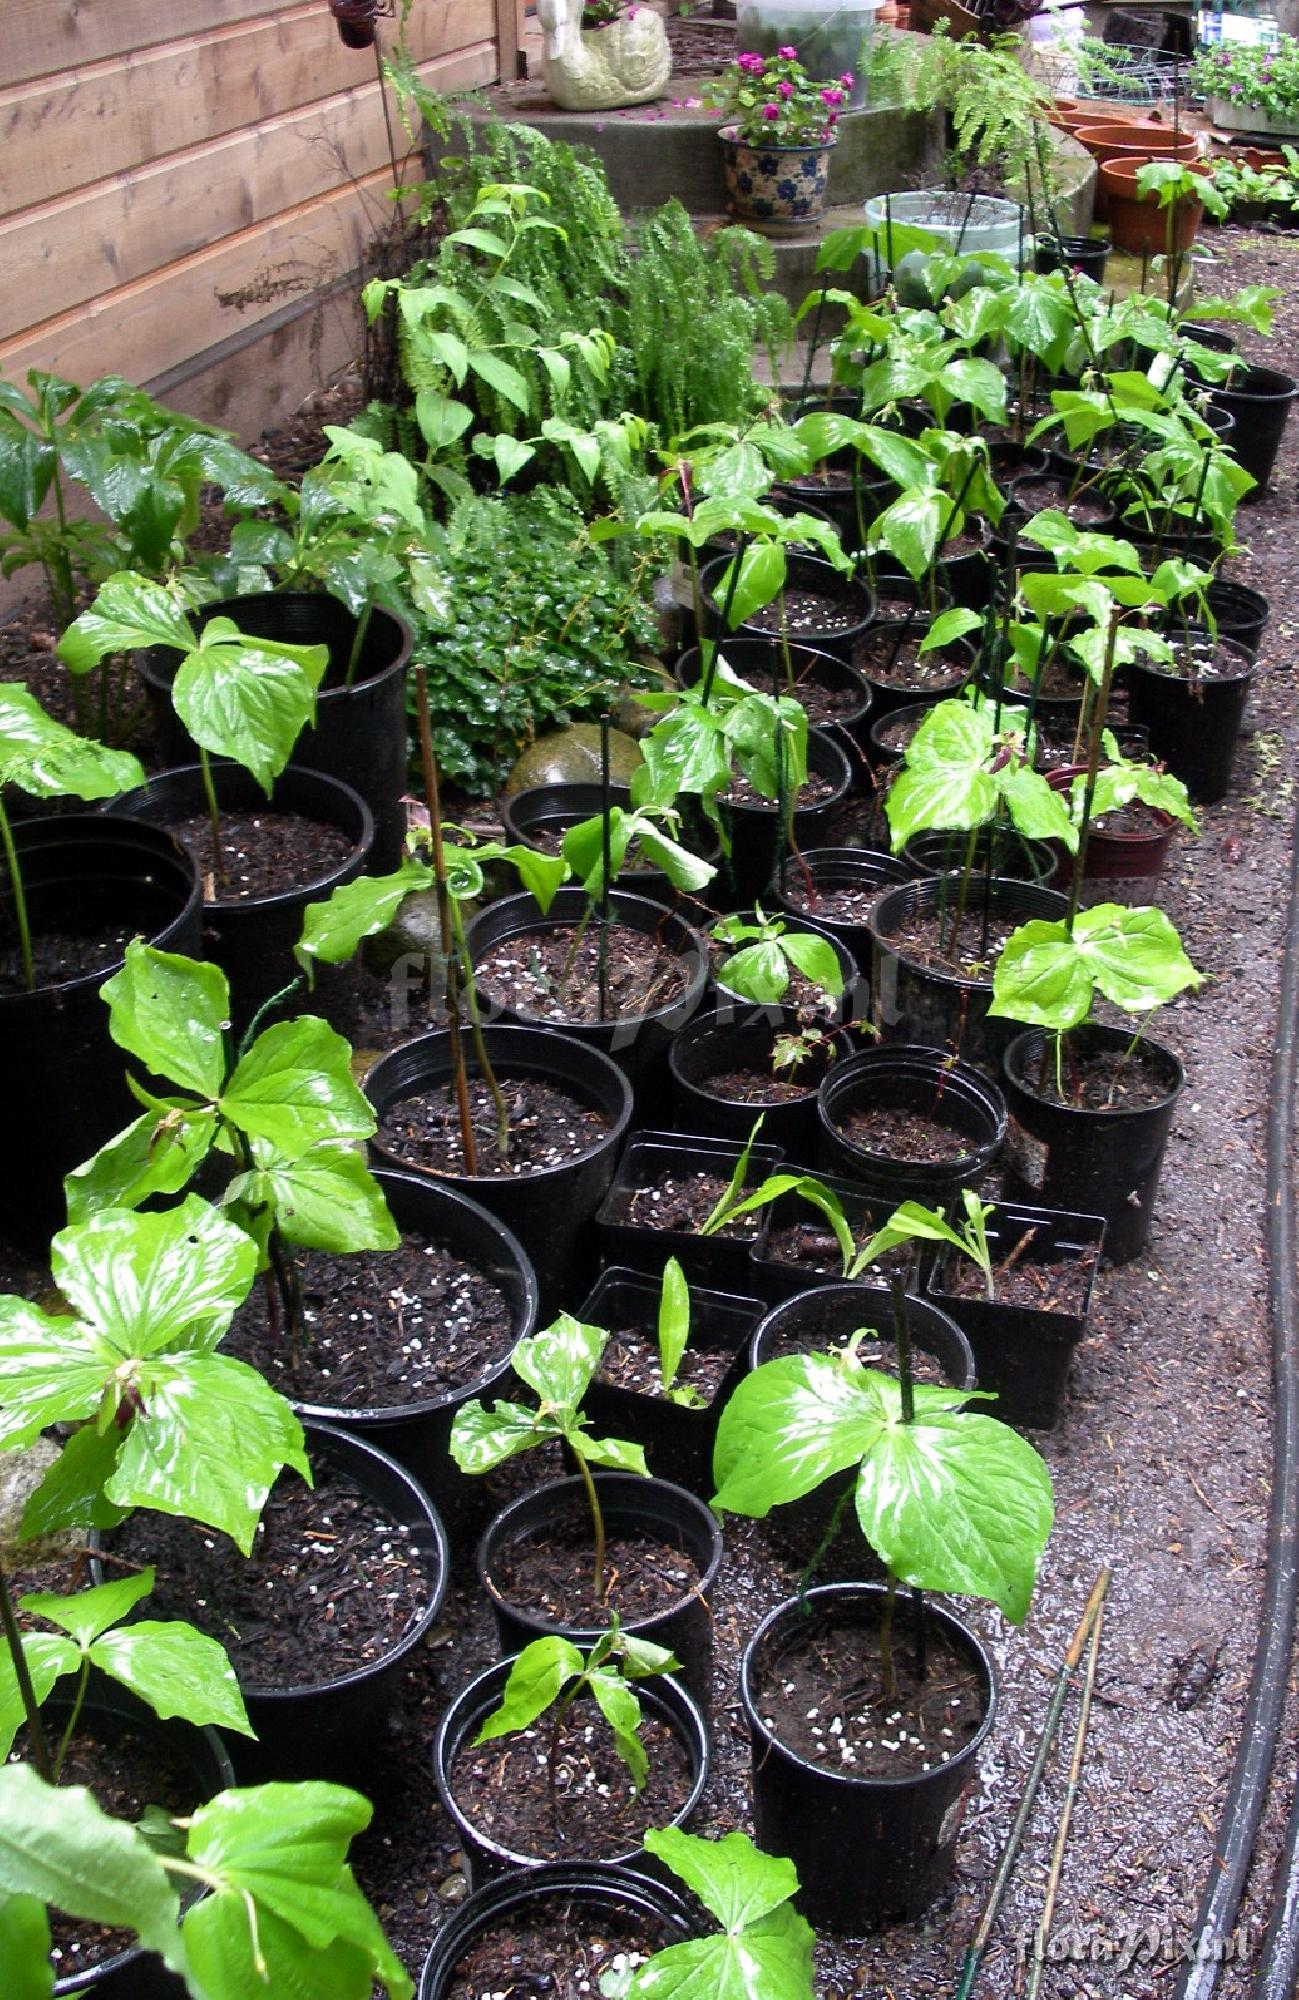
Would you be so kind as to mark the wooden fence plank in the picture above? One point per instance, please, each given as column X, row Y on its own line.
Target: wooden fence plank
column 64, row 252
column 158, row 322
column 63, row 132
column 41, row 36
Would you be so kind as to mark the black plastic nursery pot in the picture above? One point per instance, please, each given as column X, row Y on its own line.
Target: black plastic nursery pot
column 663, row 1699
column 541, row 815
column 800, row 1252
column 1259, row 399
column 922, row 1002
column 837, row 887
column 1194, row 714
column 62, row 1077
column 868, row 1850
column 637, row 1042
column 713, row 1049
column 677, row 1437
column 1240, row 612
column 108, row 1710
column 567, row 1901
column 895, row 680
column 1014, row 857
column 549, row 1209
column 833, row 692
column 896, row 591
column 252, row 940
column 359, row 734
column 892, row 732
column 802, row 1000
column 1103, row 1161
column 652, row 1173
column 952, row 1100
column 847, row 602
column 416, row 1431
column 654, row 1510
column 756, row 832
column 1078, row 253
column 1023, row 1352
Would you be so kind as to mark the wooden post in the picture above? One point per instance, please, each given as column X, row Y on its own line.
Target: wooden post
column 509, row 39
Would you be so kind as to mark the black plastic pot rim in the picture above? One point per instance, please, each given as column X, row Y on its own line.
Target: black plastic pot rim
column 161, row 677
column 622, row 1024
column 563, row 1493
column 271, row 1697
column 688, row 1724
column 374, row 1416
column 1033, row 1038
column 185, row 863
column 935, row 973
column 829, row 1597
column 508, row 1066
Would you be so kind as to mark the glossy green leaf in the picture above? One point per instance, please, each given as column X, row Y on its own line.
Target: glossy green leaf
column 815, row 958
column 620, row 1708
column 1041, row 978
column 171, row 1014
column 149, row 1282
column 325, row 1199
column 614, row 1454
column 86, row 1613
column 158, row 1153
column 48, row 761
column 49, row 1655
column 295, row 1088
column 25, row 1948
column 243, row 699
column 790, row 1425
column 52, row 1370
column 758, row 972
column 764, row 1948
column 284, row 1848
column 762, row 569
column 955, row 1501
column 332, row 930
column 504, row 377
column 912, row 528
column 944, row 781
column 537, row 1678
column 69, row 1496
column 57, row 1846
column 130, row 611
column 558, row 1363
column 673, row 1321
column 176, row 1670
column 482, row 1439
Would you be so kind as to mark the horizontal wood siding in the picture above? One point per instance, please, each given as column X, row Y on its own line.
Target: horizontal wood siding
column 160, row 194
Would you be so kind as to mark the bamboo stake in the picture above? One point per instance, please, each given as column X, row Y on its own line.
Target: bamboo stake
column 1066, row 1814
column 1010, row 1853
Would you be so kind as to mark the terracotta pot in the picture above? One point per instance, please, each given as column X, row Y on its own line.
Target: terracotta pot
column 1137, row 222
column 1135, row 138
column 777, row 190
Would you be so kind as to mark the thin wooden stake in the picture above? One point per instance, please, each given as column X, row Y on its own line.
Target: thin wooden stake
column 429, row 763
column 1066, row 1814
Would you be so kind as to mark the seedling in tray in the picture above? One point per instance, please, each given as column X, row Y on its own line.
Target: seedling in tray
column 557, row 1365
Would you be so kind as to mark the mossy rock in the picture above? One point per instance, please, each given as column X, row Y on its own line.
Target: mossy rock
column 632, row 718
column 21, row 1472
column 572, row 756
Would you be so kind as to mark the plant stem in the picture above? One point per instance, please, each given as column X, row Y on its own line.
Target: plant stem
column 902, row 1344
column 26, row 1692
column 452, row 944
column 213, row 815
column 476, row 1035
column 358, row 643
column 74, row 1717
column 888, row 1674
column 602, row 942
column 20, row 899
column 597, row 1517
column 1099, row 713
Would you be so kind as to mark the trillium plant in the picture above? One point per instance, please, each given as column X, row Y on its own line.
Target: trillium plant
column 772, row 101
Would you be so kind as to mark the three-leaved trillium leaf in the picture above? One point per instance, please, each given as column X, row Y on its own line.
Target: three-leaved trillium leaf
column 166, row 1421
column 289, row 1105
column 1048, row 973
column 959, row 768
column 949, row 1500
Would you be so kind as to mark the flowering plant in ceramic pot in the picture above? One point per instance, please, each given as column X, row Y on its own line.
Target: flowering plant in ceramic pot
column 772, row 101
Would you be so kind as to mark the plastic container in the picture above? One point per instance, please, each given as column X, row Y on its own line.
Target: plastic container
column 757, row 839
column 966, row 224
column 831, row 39
column 925, row 1082
column 63, row 1090
column 1014, row 856
column 644, row 1508
column 662, row 1698
column 359, row 734
column 862, row 870
column 867, row 1850
column 761, row 662
column 852, row 603
column 252, row 940
column 1095, row 1161
column 542, row 814
column 798, row 1002
column 548, row 1209
column 1259, row 399
column 1194, row 724
column 650, row 1159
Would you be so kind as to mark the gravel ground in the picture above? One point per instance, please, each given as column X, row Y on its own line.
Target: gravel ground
column 1162, row 1465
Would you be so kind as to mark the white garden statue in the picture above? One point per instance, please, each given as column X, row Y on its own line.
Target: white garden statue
column 594, row 69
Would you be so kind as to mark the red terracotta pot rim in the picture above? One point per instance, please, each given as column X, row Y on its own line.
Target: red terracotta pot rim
column 1115, row 141
column 1120, row 174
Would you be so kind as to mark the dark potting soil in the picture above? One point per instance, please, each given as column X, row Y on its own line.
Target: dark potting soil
column 1058, row 681
column 841, row 906
column 126, row 1770
column 1109, row 1081
column 823, row 704
column 331, row 1584
column 740, row 792
column 804, row 611
column 1055, row 1284
column 262, row 853
column 1201, row 663
column 908, row 1136
column 969, row 542
column 925, row 938
column 548, row 1126
column 897, row 735
column 1034, row 496
column 532, row 975
column 895, row 663
column 554, row 1951
column 58, row 956
column 631, row 1361
column 383, row 1328
column 552, row 1576
column 875, row 1352
column 593, row 1813
column 678, row 1201
column 1136, row 820
column 755, row 1086
column 822, row 1695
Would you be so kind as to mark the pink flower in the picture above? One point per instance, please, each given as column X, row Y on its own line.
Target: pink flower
column 787, row 55
column 831, row 96
column 847, row 79
column 770, row 111
column 786, row 89
column 750, row 62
